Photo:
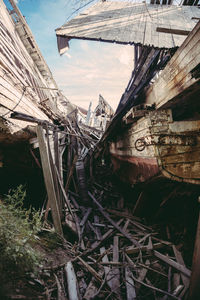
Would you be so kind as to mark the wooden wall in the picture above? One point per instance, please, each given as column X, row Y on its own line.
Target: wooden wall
column 23, row 87
column 179, row 81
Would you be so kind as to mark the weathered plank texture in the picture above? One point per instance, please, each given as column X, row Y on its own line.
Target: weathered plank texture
column 49, row 182
column 128, row 23
column 26, row 83
column 18, row 72
column 180, row 74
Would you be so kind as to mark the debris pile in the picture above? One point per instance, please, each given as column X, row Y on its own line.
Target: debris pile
column 117, row 256
column 112, row 253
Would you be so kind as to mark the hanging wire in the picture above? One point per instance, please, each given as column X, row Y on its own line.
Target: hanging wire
column 78, row 9
column 24, row 89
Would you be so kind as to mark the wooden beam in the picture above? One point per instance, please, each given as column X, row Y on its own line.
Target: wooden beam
column 130, row 288
column 72, row 284
column 172, row 31
column 48, row 178
column 172, row 263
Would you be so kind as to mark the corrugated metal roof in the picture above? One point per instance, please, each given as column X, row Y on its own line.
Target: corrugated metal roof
column 128, row 23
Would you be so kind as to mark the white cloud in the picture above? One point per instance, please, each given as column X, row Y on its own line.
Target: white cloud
column 100, row 69
column 88, row 68
column 126, row 55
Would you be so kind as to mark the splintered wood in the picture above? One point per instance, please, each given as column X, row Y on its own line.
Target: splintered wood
column 119, row 257
column 114, row 254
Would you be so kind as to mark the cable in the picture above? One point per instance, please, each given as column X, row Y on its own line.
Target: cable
column 24, row 89
column 78, row 9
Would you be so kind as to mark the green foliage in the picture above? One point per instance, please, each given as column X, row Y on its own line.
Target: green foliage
column 18, row 228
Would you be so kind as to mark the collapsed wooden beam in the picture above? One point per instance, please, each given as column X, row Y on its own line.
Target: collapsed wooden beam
column 72, row 283
column 172, row 31
column 49, row 182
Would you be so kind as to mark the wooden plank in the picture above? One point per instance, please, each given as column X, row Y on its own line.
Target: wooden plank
column 90, row 269
column 112, row 222
column 114, row 275
column 142, row 274
column 96, row 244
column 172, row 263
column 180, row 260
column 52, row 155
column 194, row 290
column 130, row 284
column 86, row 216
column 172, row 31
column 130, row 289
column 133, row 250
column 105, row 257
column 48, row 178
column 176, row 77
column 72, row 284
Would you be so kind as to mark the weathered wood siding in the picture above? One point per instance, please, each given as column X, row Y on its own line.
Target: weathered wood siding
column 180, row 78
column 26, row 83
column 17, row 73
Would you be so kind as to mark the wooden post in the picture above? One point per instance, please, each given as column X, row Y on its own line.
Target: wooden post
column 194, row 290
column 48, row 178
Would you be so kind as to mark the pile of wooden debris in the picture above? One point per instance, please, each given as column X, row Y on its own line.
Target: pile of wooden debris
column 117, row 256
column 112, row 253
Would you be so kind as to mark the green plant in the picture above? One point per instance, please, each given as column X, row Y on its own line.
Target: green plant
column 18, row 228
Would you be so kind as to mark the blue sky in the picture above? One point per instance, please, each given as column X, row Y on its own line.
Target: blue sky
column 88, row 68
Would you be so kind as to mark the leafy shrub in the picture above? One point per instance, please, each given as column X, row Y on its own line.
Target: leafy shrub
column 18, row 228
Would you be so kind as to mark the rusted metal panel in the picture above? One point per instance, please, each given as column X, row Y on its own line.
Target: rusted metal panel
column 134, row 169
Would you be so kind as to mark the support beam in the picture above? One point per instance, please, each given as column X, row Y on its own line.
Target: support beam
column 48, row 178
column 172, row 31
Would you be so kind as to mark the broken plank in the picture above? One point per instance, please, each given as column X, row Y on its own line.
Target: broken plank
column 180, row 260
column 72, row 283
column 143, row 273
column 133, row 250
column 106, row 215
column 48, row 178
column 130, row 289
column 64, row 194
column 86, row 216
column 114, row 275
column 103, row 255
column 102, row 225
column 90, row 269
column 172, row 263
column 70, row 173
column 96, row 244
